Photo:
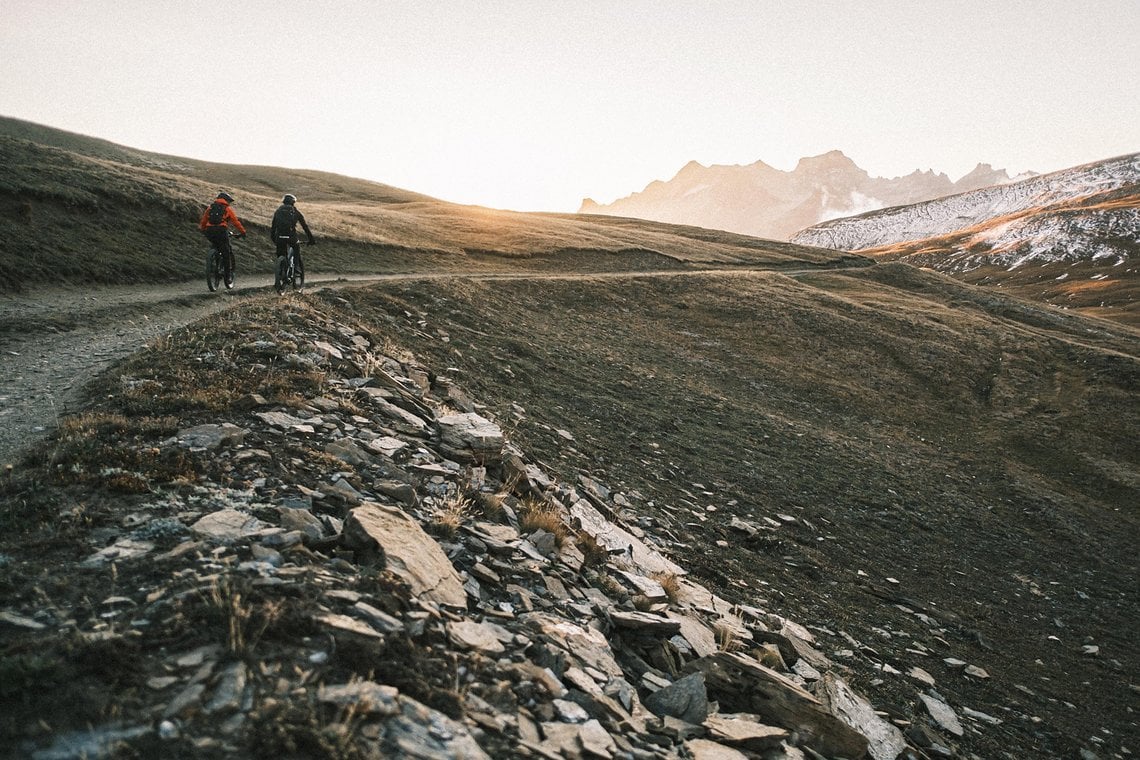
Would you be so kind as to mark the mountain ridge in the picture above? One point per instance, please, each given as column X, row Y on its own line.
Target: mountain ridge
column 760, row 200
column 1070, row 238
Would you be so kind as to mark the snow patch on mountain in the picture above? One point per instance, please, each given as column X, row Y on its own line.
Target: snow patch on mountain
column 855, row 203
column 1072, row 195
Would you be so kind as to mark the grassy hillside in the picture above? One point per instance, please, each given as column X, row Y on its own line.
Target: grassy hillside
column 931, row 471
column 75, row 209
column 980, row 452
column 1089, row 285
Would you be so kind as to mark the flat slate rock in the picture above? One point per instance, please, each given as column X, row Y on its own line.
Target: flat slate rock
column 745, row 731
column 407, row 551
column 227, row 525
column 741, row 684
column 211, row 437
column 885, row 741
column 942, row 714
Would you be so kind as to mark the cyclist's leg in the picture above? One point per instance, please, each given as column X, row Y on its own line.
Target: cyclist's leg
column 228, row 253
column 217, row 238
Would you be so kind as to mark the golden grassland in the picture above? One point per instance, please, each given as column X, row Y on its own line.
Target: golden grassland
column 77, row 209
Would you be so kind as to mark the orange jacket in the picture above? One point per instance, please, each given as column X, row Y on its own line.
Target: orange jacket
column 229, row 218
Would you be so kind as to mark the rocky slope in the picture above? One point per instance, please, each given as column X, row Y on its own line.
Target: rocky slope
column 279, row 533
column 760, row 200
column 360, row 563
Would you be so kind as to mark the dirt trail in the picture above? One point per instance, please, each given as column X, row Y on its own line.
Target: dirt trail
column 53, row 341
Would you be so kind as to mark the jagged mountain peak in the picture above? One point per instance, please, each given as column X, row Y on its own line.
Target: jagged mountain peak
column 830, row 161
column 693, row 167
column 757, row 199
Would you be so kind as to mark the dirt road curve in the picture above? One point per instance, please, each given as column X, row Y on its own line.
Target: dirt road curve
column 53, row 341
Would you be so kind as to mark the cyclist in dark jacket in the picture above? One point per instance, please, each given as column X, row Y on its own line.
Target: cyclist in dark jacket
column 283, row 229
column 217, row 231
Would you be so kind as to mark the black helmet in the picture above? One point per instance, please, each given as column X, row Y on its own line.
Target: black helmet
column 289, row 199
column 226, row 197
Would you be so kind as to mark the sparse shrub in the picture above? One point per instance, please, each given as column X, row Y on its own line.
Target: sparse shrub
column 593, row 553
column 539, row 515
column 122, row 481
column 164, row 531
column 114, row 452
column 670, row 582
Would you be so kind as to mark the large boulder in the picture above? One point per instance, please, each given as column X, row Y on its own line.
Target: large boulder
column 406, row 550
column 470, row 438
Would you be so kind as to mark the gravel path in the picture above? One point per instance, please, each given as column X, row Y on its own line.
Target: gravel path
column 53, row 341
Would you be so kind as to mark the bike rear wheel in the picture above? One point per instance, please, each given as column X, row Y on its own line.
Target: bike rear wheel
column 281, row 274
column 298, row 275
column 213, row 270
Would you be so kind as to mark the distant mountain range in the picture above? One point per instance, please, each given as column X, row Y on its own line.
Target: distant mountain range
column 1071, row 237
column 1059, row 213
column 766, row 202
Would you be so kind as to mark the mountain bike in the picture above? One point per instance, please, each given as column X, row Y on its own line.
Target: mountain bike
column 216, row 272
column 290, row 271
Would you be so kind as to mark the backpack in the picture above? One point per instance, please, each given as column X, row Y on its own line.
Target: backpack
column 285, row 221
column 216, row 214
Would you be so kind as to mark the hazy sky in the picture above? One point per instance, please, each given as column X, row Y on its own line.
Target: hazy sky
column 535, row 104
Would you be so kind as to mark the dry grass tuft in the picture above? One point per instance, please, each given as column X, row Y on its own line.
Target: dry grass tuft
column 671, row 582
column 726, row 638
column 611, row 587
column 449, row 518
column 244, row 623
column 593, row 553
column 492, row 506
column 539, row 515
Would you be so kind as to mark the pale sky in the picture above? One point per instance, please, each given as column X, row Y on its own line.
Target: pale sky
column 536, row 104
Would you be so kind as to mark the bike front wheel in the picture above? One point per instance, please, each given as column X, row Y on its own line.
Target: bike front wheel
column 213, row 270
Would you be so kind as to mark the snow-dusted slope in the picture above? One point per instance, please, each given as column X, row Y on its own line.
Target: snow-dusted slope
column 760, row 200
column 1086, row 212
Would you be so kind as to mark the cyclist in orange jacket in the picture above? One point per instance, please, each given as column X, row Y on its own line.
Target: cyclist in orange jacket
column 215, row 224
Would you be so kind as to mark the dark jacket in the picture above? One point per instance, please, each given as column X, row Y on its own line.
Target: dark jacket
column 285, row 221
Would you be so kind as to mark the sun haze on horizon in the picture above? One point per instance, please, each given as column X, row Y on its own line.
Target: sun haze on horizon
column 534, row 106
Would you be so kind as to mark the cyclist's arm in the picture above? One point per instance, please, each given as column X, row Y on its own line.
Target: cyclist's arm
column 305, row 226
column 232, row 217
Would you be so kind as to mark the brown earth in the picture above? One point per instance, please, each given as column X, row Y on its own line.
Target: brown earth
column 962, row 468
column 980, row 452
